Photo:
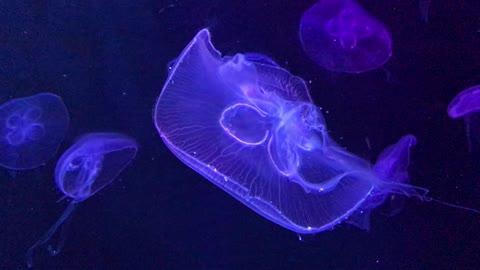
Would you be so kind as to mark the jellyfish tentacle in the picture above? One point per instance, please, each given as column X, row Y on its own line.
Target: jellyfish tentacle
column 48, row 235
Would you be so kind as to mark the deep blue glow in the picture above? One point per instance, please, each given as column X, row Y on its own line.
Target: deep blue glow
column 86, row 167
column 466, row 104
column 341, row 36
column 251, row 128
column 31, row 130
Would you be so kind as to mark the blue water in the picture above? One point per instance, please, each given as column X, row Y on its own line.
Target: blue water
column 109, row 62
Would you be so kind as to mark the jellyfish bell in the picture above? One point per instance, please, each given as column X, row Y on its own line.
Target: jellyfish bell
column 466, row 104
column 91, row 163
column 34, row 124
column 251, row 128
column 340, row 36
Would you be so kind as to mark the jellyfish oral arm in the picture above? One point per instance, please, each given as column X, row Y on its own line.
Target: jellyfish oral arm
column 48, row 235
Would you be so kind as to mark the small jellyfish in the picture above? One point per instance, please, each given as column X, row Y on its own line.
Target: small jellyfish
column 251, row 128
column 340, row 36
column 467, row 105
column 31, row 130
column 423, row 7
column 86, row 167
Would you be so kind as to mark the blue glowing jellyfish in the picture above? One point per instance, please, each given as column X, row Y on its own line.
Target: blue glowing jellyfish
column 467, row 105
column 251, row 128
column 340, row 36
column 86, row 167
column 31, row 130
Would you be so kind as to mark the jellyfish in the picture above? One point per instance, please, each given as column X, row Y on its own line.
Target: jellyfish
column 467, row 105
column 31, row 130
column 423, row 7
column 340, row 36
column 251, row 128
column 90, row 164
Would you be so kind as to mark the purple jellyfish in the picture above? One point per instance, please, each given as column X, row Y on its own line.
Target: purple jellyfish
column 340, row 36
column 31, row 130
column 251, row 128
column 466, row 104
column 86, row 167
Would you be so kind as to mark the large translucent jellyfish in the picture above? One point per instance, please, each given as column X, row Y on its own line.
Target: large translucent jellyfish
column 31, row 130
column 251, row 128
column 86, row 167
column 467, row 105
column 340, row 36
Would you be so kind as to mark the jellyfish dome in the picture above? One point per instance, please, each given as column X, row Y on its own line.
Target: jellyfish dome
column 93, row 162
column 31, row 130
column 340, row 36
column 85, row 168
column 251, row 128
column 466, row 104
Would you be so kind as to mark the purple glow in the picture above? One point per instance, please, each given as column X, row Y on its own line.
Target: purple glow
column 93, row 162
column 31, row 130
column 250, row 127
column 465, row 102
column 86, row 167
column 341, row 36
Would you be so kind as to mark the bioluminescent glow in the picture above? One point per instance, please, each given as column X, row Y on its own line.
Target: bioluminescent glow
column 466, row 104
column 340, row 36
column 86, row 167
column 251, row 128
column 31, row 130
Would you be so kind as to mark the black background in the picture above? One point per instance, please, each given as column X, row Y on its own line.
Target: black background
column 109, row 61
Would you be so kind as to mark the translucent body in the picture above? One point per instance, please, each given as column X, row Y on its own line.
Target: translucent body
column 340, row 36
column 467, row 105
column 423, row 7
column 31, row 130
column 86, row 167
column 250, row 127
column 465, row 102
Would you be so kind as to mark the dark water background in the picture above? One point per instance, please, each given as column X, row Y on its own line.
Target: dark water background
column 108, row 61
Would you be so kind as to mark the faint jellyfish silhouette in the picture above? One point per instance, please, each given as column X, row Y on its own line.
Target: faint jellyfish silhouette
column 90, row 164
column 467, row 105
column 31, row 130
column 340, row 36
column 423, row 7
column 251, row 128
